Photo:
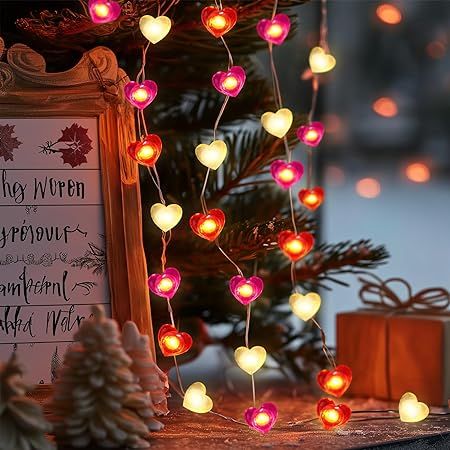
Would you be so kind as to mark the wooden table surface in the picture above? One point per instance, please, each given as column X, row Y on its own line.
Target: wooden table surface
column 185, row 430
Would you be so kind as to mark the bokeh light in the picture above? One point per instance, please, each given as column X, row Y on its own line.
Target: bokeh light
column 389, row 14
column 385, row 107
column 368, row 188
column 436, row 49
column 418, row 172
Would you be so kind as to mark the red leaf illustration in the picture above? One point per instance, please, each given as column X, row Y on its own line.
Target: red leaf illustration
column 7, row 142
column 78, row 145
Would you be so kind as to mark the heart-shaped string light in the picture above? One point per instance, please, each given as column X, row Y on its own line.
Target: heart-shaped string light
column 336, row 381
column 166, row 217
column 173, row 342
column 262, row 419
column 246, row 290
column 212, row 155
column 147, row 151
column 104, row 11
column 285, row 173
column 155, row 29
column 311, row 198
column 321, row 61
column 230, row 82
column 165, row 284
column 332, row 415
column 411, row 410
column 250, row 360
column 142, row 94
column 311, row 134
column 219, row 21
column 196, row 400
column 208, row 226
column 295, row 246
column 274, row 30
column 305, row 306
column 277, row 123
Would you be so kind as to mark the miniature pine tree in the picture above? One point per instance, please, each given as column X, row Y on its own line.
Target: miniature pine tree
column 22, row 423
column 96, row 400
column 150, row 377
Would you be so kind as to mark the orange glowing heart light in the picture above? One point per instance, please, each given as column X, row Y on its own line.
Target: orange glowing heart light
column 173, row 342
column 295, row 246
column 146, row 152
column 208, row 226
column 311, row 198
column 336, row 381
column 332, row 415
column 311, row 134
column 218, row 21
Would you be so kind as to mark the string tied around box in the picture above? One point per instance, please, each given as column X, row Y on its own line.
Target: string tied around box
column 382, row 295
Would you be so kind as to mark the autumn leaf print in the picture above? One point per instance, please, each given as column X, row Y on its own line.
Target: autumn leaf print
column 8, row 143
column 77, row 145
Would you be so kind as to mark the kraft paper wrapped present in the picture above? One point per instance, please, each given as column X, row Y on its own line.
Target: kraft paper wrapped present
column 394, row 345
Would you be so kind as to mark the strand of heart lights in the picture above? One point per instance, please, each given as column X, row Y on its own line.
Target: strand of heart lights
column 209, row 224
column 147, row 150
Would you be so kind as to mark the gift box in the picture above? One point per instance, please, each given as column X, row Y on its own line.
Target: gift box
column 397, row 345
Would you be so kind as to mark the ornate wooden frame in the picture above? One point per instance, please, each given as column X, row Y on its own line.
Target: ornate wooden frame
column 93, row 88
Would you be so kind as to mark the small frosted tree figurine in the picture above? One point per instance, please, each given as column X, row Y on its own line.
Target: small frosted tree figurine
column 22, row 423
column 97, row 400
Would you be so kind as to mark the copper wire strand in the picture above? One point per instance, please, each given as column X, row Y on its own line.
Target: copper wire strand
column 325, row 348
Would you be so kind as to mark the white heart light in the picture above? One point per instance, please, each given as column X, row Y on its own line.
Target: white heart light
column 155, row 29
column 212, row 155
column 166, row 217
column 277, row 123
column 305, row 306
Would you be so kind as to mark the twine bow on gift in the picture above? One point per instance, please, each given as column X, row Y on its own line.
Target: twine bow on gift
column 380, row 294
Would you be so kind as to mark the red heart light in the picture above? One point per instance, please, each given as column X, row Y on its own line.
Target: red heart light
column 335, row 382
column 311, row 198
column 332, row 415
column 218, row 21
column 295, row 246
column 208, row 226
column 146, row 152
column 173, row 342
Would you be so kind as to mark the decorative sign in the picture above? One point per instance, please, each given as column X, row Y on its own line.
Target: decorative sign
column 70, row 218
column 52, row 237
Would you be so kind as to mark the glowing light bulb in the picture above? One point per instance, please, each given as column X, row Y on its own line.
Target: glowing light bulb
column 274, row 30
column 311, row 134
column 212, row 155
column 166, row 217
column 173, row 342
column 286, row 174
column 295, row 246
column 277, row 123
column 142, row 94
column 165, row 284
column 246, row 290
column 311, row 198
column 103, row 11
column 218, row 21
column 208, row 226
column 389, row 14
column 230, row 82
column 320, row 61
column 146, row 152
column 261, row 419
column 250, row 360
column 418, row 172
column 411, row 410
column 155, row 29
column 305, row 306
column 332, row 415
column 196, row 400
column 335, row 381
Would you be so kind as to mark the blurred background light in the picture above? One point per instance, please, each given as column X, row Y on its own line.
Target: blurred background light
column 418, row 172
column 385, row 107
column 389, row 14
column 368, row 188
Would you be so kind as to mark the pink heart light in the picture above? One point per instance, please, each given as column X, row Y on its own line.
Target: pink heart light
column 142, row 94
column 103, row 11
column 311, row 134
column 246, row 290
column 274, row 30
column 262, row 419
column 165, row 284
column 231, row 82
column 286, row 174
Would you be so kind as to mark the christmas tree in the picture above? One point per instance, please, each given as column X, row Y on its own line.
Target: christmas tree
column 256, row 209
column 97, row 400
column 22, row 422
